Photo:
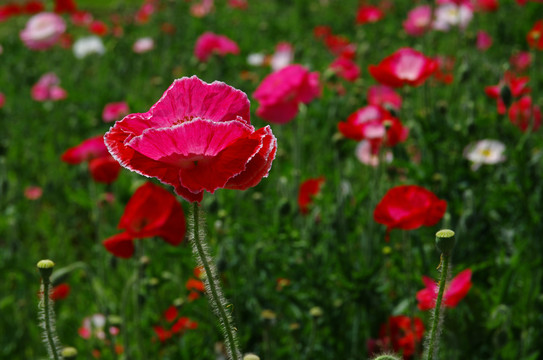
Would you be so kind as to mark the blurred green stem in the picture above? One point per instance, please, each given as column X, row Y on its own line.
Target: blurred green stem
column 435, row 324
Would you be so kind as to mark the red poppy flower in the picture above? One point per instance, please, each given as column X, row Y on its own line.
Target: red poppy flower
column 444, row 71
column 98, row 27
column 340, row 46
column 535, row 36
column 65, row 6
column 486, row 5
column 455, row 291
column 196, row 137
column 151, row 211
column 345, row 68
column 516, row 85
column 520, row 61
column 308, row 189
column 209, row 43
column 179, row 327
column 400, row 334
column 60, row 292
column 405, row 67
column 9, row 10
column 105, row 169
column 368, row 14
column 281, row 93
column 409, row 207
column 33, row 7
column 524, row 115
column 384, row 96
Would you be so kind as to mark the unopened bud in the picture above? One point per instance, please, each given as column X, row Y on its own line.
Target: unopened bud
column 445, row 240
column 46, row 268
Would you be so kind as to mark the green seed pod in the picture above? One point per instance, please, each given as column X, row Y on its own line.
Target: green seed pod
column 445, row 240
column 46, row 268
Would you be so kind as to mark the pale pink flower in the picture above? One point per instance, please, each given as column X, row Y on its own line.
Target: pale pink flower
column 115, row 111
column 365, row 153
column 209, row 43
column 419, row 20
column 143, row 45
column 202, row 8
column 385, row 96
column 283, row 56
column 484, row 41
column 450, row 14
column 47, row 88
column 33, row 192
column 42, row 31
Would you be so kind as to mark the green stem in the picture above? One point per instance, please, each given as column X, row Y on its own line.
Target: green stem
column 213, row 289
column 48, row 327
column 435, row 325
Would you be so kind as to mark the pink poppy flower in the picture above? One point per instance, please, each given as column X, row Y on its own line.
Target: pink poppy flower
column 47, row 88
column 517, row 87
column 484, row 41
column 197, row 137
column 281, row 93
column 455, row 291
column 309, row 189
column 42, row 31
column 345, row 68
column 524, row 115
column 209, row 43
column 143, row 45
column 201, row 8
column 419, row 20
column 145, row 11
column 368, row 14
column 81, row 18
column 115, row 111
column 33, row 192
column 366, row 155
column 520, row 61
column 450, row 14
column 384, row 96
column 282, row 57
column 405, row 67
column 2, row 100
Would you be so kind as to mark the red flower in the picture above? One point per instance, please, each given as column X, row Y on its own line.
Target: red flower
column 517, row 87
column 114, row 111
column 384, row 96
column 209, row 43
column 368, row 14
column 535, row 36
column 281, row 93
column 65, row 6
column 340, row 46
column 9, row 10
column 345, row 68
column 455, row 291
column 486, row 5
column 444, row 71
column 400, row 334
column 409, row 207
column 151, row 211
column 105, row 169
column 60, row 292
column 405, row 67
column 179, row 327
column 520, row 61
column 524, row 115
column 98, row 27
column 33, row 7
column 196, row 137
column 308, row 189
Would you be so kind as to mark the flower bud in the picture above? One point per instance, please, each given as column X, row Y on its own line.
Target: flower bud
column 445, row 240
column 69, row 353
column 251, row 357
column 46, row 268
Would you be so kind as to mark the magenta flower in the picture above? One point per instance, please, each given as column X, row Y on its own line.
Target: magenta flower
column 47, row 88
column 209, row 43
column 197, row 137
column 455, row 291
column 42, row 31
column 115, row 111
column 345, row 68
column 281, row 93
column 2, row 100
column 484, row 41
column 419, row 20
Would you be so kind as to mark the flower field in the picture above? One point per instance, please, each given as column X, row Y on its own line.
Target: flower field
column 250, row 179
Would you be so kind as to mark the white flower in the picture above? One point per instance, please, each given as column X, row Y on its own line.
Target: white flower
column 485, row 152
column 256, row 59
column 88, row 45
column 448, row 15
column 143, row 45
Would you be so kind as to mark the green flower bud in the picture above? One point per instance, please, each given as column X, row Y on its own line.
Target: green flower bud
column 445, row 240
column 46, row 268
column 69, row 353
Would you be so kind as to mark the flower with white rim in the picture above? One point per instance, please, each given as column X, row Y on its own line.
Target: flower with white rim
column 88, row 45
column 42, row 31
column 485, row 152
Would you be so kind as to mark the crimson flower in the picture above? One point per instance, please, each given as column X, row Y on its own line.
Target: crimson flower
column 179, row 327
column 196, row 137
column 281, row 93
column 384, row 96
column 98, row 27
column 102, row 166
column 524, row 115
column 196, row 288
column 368, row 14
column 455, row 291
column 65, row 6
column 409, row 207
column 404, row 67
column 345, row 68
column 520, row 61
column 60, row 292
column 517, row 86
column 151, row 211
column 535, row 36
column 209, row 43
column 400, row 334
column 308, row 189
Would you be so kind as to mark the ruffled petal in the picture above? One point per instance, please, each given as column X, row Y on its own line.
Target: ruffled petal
column 120, row 245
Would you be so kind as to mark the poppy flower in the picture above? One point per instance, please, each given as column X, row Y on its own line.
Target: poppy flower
column 516, row 86
column 384, row 96
column 520, row 61
column 196, row 137
column 400, row 334
column 48, row 88
column 484, row 41
column 114, row 111
column 81, row 18
column 345, row 68
column 88, row 45
column 365, row 152
column 42, row 31
column 444, row 71
column 33, row 192
column 419, row 20
column 450, row 14
column 60, row 292
column 409, row 207
column 455, row 291
column 2, row 100
column 340, row 46
column 65, row 6
column 10, row 10
column 282, row 57
column 281, row 93
column 486, row 5
column 368, row 14
column 524, row 115
column 209, row 43
column 308, row 189
column 98, row 27
column 179, row 327
column 151, row 211
column 535, row 36
column 484, row 152
column 33, row 7
column 405, row 67
column 143, row 45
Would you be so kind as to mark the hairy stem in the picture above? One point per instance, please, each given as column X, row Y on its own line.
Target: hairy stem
column 48, row 314
column 436, row 323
